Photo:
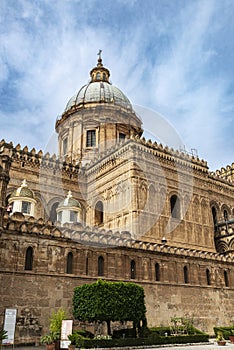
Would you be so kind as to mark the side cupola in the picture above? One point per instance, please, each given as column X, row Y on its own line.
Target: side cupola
column 69, row 210
column 22, row 200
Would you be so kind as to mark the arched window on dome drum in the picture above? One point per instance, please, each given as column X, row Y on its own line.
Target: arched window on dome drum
column 98, row 213
column 175, row 207
column 29, row 259
column 121, row 137
column 98, row 76
column 226, row 280
column 133, row 269
column 208, row 277
column 100, row 266
column 91, row 138
column 53, row 213
column 69, row 263
column 186, row 278
column 157, row 272
column 65, row 146
column 104, row 76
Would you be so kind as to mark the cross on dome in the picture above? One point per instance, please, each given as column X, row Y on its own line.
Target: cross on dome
column 24, row 183
column 69, row 195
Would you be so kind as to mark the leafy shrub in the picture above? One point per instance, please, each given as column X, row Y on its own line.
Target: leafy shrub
column 226, row 331
column 84, row 333
column 56, row 320
column 3, row 334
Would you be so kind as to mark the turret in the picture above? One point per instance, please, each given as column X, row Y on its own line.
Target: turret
column 5, row 164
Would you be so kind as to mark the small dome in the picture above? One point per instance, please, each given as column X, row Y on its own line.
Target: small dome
column 22, row 191
column 69, row 202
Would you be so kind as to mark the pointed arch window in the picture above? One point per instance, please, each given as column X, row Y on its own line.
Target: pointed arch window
column 214, row 215
column 70, row 263
column 53, row 213
column 225, row 215
column 186, row 277
column 208, row 280
column 29, row 259
column 133, row 269
column 100, row 266
column 175, row 207
column 99, row 213
column 157, row 272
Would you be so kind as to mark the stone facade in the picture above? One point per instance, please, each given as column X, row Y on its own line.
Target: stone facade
column 147, row 213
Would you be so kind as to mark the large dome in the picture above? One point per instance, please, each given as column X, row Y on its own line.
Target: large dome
column 98, row 91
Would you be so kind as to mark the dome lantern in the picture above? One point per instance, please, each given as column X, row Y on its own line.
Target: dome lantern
column 100, row 73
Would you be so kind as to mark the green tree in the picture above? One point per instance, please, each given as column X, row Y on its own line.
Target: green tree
column 109, row 301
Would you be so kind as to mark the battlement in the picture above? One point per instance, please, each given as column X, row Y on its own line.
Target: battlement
column 147, row 146
column 226, row 173
column 25, row 157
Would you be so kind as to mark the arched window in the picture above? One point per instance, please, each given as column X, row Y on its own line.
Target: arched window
column 29, row 259
column 98, row 76
column 70, row 263
column 65, row 146
column 186, row 278
column 175, row 207
column 208, row 277
column 214, row 215
column 226, row 280
column 99, row 213
column 133, row 269
column 225, row 215
column 100, row 266
column 53, row 214
column 157, row 272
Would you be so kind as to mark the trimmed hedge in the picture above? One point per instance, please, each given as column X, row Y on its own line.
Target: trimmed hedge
column 162, row 330
column 152, row 340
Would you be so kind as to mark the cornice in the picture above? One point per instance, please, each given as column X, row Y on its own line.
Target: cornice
column 18, row 224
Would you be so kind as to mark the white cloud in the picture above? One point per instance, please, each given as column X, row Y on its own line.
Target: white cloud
column 161, row 60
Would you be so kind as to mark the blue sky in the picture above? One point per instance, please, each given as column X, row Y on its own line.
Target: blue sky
column 175, row 57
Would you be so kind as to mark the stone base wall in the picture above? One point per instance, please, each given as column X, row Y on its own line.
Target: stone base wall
column 35, row 296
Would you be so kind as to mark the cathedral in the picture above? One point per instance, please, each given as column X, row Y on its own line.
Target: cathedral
column 115, row 206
